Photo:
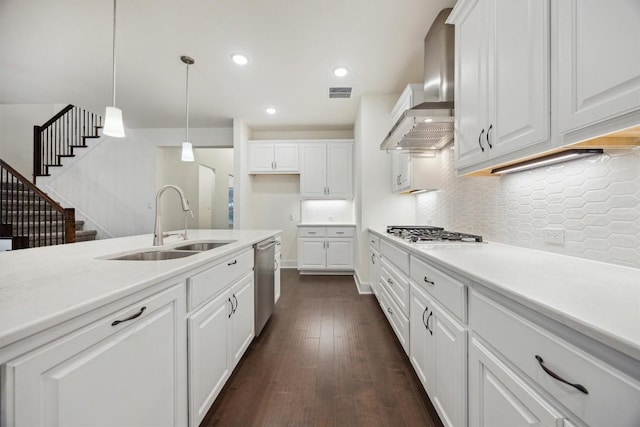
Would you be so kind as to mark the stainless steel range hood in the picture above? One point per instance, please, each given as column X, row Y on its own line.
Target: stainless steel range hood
column 429, row 125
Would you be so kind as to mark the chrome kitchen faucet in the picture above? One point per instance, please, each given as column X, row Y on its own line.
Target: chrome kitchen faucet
column 158, row 235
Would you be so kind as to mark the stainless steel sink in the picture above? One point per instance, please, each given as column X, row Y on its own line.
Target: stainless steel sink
column 154, row 255
column 203, row 246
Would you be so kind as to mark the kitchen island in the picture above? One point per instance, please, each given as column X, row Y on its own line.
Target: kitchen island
column 82, row 334
column 495, row 331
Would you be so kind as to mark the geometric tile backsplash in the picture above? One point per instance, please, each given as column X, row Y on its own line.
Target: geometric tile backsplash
column 595, row 201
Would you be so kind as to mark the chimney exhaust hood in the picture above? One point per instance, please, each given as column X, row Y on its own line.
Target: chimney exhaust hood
column 429, row 125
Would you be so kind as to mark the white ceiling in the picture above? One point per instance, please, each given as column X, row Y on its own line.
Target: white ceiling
column 60, row 52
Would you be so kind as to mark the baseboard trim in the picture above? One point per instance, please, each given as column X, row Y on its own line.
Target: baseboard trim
column 364, row 288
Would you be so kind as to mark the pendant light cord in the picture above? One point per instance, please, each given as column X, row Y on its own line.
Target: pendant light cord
column 187, row 105
column 114, row 53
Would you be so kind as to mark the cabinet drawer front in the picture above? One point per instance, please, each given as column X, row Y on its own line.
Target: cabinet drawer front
column 340, row 231
column 447, row 290
column 209, row 283
column 396, row 255
column 612, row 395
column 397, row 319
column 397, row 285
column 312, row 231
column 374, row 241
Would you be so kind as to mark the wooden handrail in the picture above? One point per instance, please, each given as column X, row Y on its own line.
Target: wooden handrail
column 17, row 210
column 57, row 116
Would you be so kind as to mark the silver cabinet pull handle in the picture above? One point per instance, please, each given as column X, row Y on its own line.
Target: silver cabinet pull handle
column 231, row 306
column 557, row 377
column 132, row 317
column 429, row 317
column 423, row 321
column 480, row 140
column 339, row 232
column 235, row 261
column 428, row 281
column 236, row 300
column 373, row 259
column 389, row 281
column 390, row 311
column 489, row 136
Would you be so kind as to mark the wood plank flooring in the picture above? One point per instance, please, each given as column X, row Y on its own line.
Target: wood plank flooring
column 327, row 357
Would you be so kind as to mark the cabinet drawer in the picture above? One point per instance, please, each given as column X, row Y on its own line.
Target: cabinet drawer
column 340, row 231
column 399, row 322
column 612, row 395
column 374, row 241
column 312, row 231
column 447, row 290
column 397, row 285
column 396, row 255
column 209, row 283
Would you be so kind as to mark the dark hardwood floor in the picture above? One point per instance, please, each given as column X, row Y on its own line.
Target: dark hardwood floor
column 327, row 357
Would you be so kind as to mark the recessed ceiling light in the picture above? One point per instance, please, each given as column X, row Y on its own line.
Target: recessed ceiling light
column 428, row 120
column 340, row 72
column 239, row 59
column 270, row 110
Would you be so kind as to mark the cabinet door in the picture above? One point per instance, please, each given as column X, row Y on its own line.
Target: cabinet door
column 499, row 397
column 313, row 170
column 471, row 85
column 276, row 276
column 261, row 157
column 340, row 171
column 598, row 60
column 374, row 270
column 340, row 253
column 400, row 171
column 311, row 253
column 242, row 319
column 209, row 355
column 449, row 393
column 286, row 157
column 421, row 338
column 519, row 75
column 130, row 373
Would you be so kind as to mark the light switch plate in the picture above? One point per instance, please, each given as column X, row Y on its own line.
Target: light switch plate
column 555, row 236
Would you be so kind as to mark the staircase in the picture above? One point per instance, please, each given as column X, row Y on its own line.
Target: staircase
column 28, row 215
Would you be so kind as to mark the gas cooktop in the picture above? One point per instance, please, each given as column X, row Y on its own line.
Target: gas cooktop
column 429, row 234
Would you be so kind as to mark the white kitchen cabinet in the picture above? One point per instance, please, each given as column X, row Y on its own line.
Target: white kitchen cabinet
column 127, row 368
column 598, row 61
column 277, row 267
column 503, row 92
column 273, row 157
column 374, row 270
column 219, row 334
column 325, row 248
column 417, row 172
column 500, row 397
column 438, row 351
column 326, row 170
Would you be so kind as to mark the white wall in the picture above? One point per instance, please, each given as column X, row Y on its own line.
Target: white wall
column 112, row 184
column 596, row 201
column 16, row 132
column 375, row 206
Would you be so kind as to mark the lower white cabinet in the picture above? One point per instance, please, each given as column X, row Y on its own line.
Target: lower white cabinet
column 500, row 397
column 126, row 369
column 219, row 334
column 325, row 248
column 438, row 352
column 374, row 269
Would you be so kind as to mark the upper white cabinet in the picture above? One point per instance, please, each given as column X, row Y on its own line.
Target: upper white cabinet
column 326, row 170
column 598, row 60
column 273, row 157
column 503, row 95
column 413, row 173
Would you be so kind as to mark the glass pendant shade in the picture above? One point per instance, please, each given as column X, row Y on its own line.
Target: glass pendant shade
column 113, row 125
column 187, row 152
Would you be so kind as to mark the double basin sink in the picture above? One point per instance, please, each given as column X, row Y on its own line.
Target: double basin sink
column 172, row 253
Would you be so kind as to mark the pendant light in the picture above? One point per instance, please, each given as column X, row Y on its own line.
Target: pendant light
column 113, row 125
column 187, row 148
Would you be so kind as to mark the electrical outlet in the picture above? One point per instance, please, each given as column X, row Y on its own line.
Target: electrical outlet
column 555, row 236
column 290, row 217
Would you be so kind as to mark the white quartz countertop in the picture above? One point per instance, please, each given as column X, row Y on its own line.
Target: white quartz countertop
column 326, row 224
column 600, row 300
column 42, row 287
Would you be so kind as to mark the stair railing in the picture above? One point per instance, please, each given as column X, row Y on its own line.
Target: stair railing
column 59, row 135
column 26, row 211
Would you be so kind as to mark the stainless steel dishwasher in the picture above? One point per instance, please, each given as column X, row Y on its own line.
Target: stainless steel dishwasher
column 263, row 282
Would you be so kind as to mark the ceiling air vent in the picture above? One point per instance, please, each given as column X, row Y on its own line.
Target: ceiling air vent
column 339, row 92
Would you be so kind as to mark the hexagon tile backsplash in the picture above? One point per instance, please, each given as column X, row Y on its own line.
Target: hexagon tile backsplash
column 596, row 201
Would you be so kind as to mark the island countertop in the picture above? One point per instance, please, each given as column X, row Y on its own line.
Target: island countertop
column 42, row 287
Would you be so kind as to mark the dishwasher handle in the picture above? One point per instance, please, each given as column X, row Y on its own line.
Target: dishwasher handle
column 265, row 245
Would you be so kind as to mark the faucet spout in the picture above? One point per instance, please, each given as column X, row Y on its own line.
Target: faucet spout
column 158, row 235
